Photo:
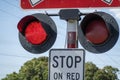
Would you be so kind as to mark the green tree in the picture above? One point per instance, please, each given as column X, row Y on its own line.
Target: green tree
column 111, row 71
column 107, row 73
column 12, row 76
column 37, row 69
column 94, row 73
column 101, row 75
column 90, row 70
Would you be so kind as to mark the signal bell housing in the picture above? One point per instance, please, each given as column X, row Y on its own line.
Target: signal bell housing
column 37, row 33
column 98, row 32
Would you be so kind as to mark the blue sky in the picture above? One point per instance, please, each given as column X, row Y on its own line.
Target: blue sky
column 12, row 54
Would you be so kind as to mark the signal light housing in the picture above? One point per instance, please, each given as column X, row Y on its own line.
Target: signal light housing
column 98, row 32
column 37, row 33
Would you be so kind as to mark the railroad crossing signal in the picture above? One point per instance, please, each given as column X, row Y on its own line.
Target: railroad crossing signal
column 98, row 31
column 37, row 33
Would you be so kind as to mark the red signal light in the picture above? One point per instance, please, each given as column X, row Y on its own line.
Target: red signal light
column 96, row 32
column 35, row 33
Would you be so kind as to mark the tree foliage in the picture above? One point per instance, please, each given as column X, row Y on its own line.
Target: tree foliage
column 90, row 70
column 94, row 73
column 12, row 76
column 37, row 69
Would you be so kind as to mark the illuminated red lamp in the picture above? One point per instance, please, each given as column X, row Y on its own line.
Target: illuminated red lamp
column 98, row 32
column 37, row 33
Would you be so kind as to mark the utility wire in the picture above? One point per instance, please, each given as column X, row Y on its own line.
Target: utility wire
column 113, row 60
column 10, row 3
column 2, row 54
column 13, row 5
column 1, row 10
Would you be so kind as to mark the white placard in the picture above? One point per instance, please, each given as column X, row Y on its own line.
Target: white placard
column 66, row 64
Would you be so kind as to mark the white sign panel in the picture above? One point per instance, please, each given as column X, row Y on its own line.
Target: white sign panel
column 66, row 64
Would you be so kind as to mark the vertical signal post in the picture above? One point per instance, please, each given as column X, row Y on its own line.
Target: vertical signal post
column 72, row 40
column 72, row 17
